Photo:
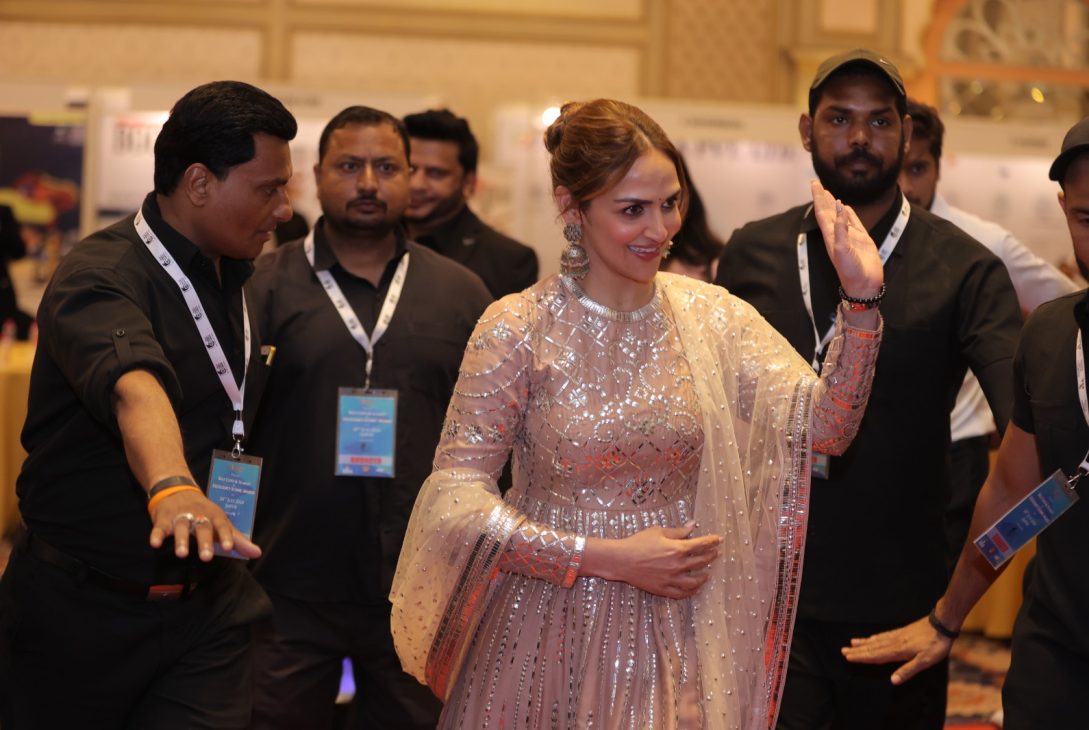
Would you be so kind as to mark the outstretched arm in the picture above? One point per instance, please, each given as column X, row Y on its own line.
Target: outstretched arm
column 919, row 644
column 153, row 448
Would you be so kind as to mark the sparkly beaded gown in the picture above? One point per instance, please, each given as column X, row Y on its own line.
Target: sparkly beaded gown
column 689, row 408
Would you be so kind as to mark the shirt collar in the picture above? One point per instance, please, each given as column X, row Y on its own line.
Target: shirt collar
column 877, row 233
column 450, row 232
column 940, row 207
column 1081, row 311
column 187, row 254
column 325, row 258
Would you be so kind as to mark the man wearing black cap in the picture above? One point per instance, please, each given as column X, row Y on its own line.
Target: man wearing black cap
column 875, row 544
column 1048, row 431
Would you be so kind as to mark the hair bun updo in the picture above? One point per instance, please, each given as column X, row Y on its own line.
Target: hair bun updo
column 553, row 136
column 593, row 144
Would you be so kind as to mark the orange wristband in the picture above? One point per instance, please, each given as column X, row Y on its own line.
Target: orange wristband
column 168, row 491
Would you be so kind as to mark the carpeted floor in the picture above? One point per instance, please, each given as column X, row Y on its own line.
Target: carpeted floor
column 976, row 673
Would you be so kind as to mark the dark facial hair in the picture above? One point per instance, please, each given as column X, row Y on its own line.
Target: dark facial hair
column 347, row 226
column 850, row 189
column 1082, row 268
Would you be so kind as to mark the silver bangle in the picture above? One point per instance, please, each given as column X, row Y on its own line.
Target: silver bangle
column 575, row 563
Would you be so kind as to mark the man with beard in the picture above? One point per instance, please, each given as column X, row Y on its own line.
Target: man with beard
column 875, row 548
column 444, row 158
column 362, row 366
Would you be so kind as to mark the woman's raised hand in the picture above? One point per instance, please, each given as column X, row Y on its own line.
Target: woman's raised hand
column 850, row 247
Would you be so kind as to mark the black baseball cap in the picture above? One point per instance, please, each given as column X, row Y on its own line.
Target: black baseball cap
column 860, row 56
column 1075, row 143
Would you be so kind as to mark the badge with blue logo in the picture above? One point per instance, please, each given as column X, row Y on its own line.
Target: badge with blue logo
column 1027, row 519
column 232, row 485
column 366, row 432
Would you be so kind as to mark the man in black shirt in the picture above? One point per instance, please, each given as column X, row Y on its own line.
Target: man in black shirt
column 354, row 306
column 101, row 624
column 875, row 544
column 1048, row 431
column 444, row 158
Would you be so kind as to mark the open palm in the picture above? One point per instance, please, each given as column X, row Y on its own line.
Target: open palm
column 850, row 247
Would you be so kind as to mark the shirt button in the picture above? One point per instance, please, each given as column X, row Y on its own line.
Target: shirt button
column 119, row 332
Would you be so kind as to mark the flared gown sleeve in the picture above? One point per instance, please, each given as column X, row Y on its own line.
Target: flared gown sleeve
column 462, row 533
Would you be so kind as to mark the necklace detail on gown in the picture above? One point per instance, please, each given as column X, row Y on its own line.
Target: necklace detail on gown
column 609, row 313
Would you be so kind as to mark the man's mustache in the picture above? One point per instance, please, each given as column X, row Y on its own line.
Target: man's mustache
column 370, row 199
column 858, row 155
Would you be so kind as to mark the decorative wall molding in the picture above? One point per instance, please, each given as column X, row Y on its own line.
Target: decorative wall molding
column 1037, row 56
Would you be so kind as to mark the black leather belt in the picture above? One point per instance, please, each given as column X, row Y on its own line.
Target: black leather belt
column 79, row 570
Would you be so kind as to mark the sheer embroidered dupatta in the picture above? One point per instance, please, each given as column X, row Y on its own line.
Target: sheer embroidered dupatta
column 753, row 490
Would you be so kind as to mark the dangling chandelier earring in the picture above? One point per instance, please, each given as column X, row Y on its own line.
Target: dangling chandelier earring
column 668, row 248
column 573, row 261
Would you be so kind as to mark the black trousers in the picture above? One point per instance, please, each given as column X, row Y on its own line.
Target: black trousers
column 1045, row 686
column 826, row 692
column 73, row 654
column 970, row 462
column 299, row 663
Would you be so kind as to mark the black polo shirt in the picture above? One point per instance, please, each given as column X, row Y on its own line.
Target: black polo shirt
column 505, row 265
column 337, row 538
column 1046, row 404
column 875, row 544
column 111, row 308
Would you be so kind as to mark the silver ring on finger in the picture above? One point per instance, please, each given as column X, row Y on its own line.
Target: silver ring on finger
column 199, row 520
column 187, row 516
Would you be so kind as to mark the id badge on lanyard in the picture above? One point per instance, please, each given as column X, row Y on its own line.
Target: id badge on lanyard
column 234, row 477
column 1044, row 504
column 366, row 432
column 233, row 481
column 1027, row 519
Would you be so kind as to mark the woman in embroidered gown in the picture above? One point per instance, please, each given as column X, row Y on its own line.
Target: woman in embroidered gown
column 643, row 568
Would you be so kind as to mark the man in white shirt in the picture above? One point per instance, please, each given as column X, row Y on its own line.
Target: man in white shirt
column 1036, row 282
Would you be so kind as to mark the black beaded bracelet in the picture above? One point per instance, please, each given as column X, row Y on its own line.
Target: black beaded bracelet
column 940, row 627
column 169, row 482
column 857, row 304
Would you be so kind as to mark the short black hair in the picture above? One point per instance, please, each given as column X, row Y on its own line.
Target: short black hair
column 442, row 125
column 857, row 69
column 214, row 125
column 926, row 125
column 364, row 116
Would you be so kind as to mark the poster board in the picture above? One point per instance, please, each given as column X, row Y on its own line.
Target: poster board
column 124, row 159
column 41, row 180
